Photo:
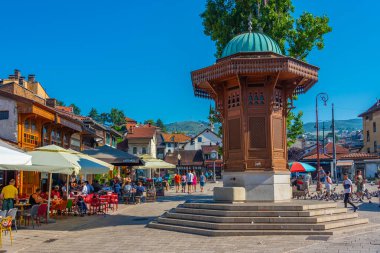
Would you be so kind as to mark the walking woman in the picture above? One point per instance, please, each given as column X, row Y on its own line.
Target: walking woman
column 195, row 181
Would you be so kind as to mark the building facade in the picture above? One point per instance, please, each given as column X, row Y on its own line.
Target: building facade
column 142, row 139
column 371, row 131
column 206, row 137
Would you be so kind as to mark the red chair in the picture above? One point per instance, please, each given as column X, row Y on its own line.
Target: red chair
column 114, row 201
column 105, row 202
column 42, row 213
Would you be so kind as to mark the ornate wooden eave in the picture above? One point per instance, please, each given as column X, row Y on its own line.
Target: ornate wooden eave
column 253, row 64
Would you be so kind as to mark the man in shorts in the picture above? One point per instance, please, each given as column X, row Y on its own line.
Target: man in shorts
column 177, row 182
column 189, row 180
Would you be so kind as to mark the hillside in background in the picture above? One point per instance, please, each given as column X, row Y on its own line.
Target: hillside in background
column 188, row 127
column 195, row 127
column 349, row 124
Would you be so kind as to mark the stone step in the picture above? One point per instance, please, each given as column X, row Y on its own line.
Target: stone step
column 262, row 226
column 227, row 213
column 209, row 232
column 290, row 206
column 221, row 219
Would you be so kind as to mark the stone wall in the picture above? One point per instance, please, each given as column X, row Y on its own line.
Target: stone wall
column 8, row 127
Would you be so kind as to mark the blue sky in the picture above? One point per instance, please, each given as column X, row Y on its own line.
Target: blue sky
column 137, row 55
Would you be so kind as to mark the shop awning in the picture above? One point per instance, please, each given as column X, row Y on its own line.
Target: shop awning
column 113, row 156
column 344, row 163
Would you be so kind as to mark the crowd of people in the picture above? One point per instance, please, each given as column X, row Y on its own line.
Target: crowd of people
column 189, row 181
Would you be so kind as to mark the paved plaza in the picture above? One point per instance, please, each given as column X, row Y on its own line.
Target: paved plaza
column 125, row 231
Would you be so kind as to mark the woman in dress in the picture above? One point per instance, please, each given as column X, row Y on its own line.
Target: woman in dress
column 195, row 181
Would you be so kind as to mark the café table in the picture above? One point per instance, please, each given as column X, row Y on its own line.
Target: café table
column 22, row 206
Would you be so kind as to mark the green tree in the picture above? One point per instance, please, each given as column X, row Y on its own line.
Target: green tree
column 60, row 102
column 117, row 117
column 294, row 127
column 149, row 121
column 94, row 114
column 76, row 109
column 160, row 124
column 224, row 19
column 104, row 118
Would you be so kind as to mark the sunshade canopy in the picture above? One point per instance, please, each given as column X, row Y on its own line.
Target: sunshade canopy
column 301, row 167
column 12, row 156
column 154, row 163
column 113, row 156
column 91, row 165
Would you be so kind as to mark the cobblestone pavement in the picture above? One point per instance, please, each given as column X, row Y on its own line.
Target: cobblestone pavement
column 125, row 231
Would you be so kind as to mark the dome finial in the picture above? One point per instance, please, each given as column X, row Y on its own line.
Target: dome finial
column 250, row 23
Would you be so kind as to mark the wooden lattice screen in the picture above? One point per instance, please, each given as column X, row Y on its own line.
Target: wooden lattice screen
column 234, row 134
column 257, row 132
column 278, row 133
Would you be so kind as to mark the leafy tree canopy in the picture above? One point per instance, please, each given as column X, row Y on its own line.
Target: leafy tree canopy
column 224, row 19
column 117, row 117
column 76, row 109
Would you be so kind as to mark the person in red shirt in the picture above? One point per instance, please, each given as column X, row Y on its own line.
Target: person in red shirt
column 55, row 193
column 177, row 182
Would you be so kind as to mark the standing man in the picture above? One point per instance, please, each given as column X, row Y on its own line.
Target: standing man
column 177, row 181
column 9, row 195
column 347, row 185
column 189, row 180
column 202, row 181
column 322, row 175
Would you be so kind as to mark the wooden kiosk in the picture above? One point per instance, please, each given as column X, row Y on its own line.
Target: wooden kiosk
column 253, row 85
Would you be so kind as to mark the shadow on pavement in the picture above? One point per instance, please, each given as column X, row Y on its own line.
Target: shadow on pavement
column 370, row 207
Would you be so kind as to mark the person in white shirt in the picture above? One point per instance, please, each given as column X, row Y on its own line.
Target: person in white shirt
column 347, row 185
column 189, row 179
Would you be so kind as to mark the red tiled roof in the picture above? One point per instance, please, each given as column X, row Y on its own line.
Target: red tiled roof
column 360, row 156
column 179, row 138
column 65, row 108
column 188, row 158
column 207, row 149
column 314, row 157
column 130, row 120
column 329, row 149
column 142, row 132
column 374, row 108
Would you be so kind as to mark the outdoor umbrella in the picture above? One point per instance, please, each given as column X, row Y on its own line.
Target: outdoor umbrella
column 12, row 156
column 300, row 167
column 91, row 165
column 153, row 163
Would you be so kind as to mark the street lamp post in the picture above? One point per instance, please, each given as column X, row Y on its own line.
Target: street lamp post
column 324, row 97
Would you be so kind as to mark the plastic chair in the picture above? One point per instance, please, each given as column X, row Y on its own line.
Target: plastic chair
column 42, row 213
column 13, row 213
column 114, row 201
column 32, row 214
column 69, row 206
column 3, row 213
column 6, row 226
column 95, row 205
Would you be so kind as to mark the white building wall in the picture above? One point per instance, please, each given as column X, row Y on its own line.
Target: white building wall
column 8, row 127
column 207, row 137
column 371, row 168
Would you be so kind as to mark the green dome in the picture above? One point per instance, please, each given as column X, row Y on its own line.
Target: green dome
column 251, row 42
